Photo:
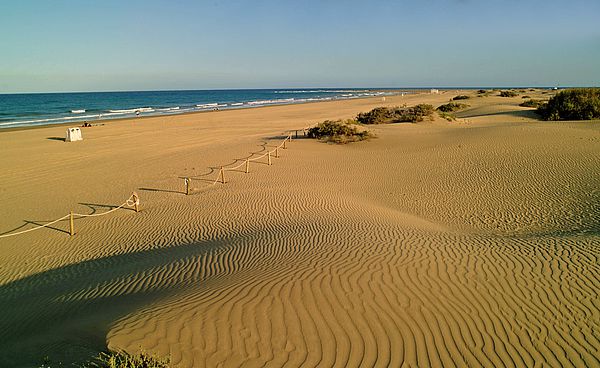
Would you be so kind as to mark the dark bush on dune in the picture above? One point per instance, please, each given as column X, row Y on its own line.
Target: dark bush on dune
column 452, row 106
column 482, row 91
column 508, row 94
column 418, row 112
column 379, row 115
column 573, row 104
column 387, row 115
column 338, row 131
column 460, row 97
column 532, row 103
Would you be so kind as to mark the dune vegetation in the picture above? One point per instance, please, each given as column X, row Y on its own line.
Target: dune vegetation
column 532, row 103
column 508, row 94
column 121, row 359
column 573, row 104
column 338, row 131
column 452, row 106
column 388, row 115
column 117, row 359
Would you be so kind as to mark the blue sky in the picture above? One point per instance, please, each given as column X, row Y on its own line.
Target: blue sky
column 111, row 45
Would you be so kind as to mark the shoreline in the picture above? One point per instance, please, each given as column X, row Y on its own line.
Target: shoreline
column 195, row 109
column 140, row 118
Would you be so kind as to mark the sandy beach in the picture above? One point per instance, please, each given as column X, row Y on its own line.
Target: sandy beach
column 436, row 244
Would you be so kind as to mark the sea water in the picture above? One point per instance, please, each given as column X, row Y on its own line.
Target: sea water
column 18, row 110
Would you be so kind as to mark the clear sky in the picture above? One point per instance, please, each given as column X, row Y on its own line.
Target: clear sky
column 108, row 45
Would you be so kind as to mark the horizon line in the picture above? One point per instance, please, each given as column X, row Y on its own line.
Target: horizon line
column 302, row 88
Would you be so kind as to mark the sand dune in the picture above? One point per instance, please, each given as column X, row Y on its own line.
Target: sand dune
column 473, row 243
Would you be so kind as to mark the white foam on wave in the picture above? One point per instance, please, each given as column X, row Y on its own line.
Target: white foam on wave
column 169, row 109
column 80, row 111
column 131, row 111
column 324, row 91
column 266, row 102
column 207, row 106
column 34, row 121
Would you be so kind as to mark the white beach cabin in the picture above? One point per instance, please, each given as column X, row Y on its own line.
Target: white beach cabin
column 73, row 134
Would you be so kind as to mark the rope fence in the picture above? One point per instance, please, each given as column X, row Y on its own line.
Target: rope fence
column 134, row 200
column 269, row 154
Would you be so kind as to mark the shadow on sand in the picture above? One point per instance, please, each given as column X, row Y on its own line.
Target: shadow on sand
column 65, row 313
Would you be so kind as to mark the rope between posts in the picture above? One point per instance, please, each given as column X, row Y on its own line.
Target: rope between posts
column 130, row 202
column 259, row 157
column 35, row 228
column 223, row 169
column 235, row 167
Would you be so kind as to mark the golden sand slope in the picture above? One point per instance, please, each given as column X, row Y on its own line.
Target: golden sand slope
column 473, row 243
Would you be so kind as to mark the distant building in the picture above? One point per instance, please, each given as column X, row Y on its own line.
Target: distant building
column 434, row 91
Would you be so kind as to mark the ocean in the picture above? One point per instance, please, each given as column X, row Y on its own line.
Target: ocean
column 20, row 110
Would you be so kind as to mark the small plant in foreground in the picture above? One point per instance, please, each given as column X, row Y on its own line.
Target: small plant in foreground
column 452, row 106
column 338, row 131
column 460, row 97
column 508, row 94
column 572, row 104
column 121, row 359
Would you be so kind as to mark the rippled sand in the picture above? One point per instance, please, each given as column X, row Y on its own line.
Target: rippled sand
column 471, row 243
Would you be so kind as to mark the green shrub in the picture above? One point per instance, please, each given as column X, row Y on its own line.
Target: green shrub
column 418, row 112
column 379, row 115
column 532, row 103
column 572, row 104
column 447, row 116
column 338, row 131
column 113, row 359
column 460, row 97
column 452, row 106
column 386, row 115
column 508, row 94
column 482, row 91
column 525, row 96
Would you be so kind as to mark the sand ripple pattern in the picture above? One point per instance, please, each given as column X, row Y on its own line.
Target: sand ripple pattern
column 268, row 272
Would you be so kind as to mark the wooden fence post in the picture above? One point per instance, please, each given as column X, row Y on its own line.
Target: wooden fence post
column 284, row 143
column 276, row 152
column 269, row 155
column 71, row 227
column 136, row 201
column 187, row 186
column 247, row 166
column 222, row 175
